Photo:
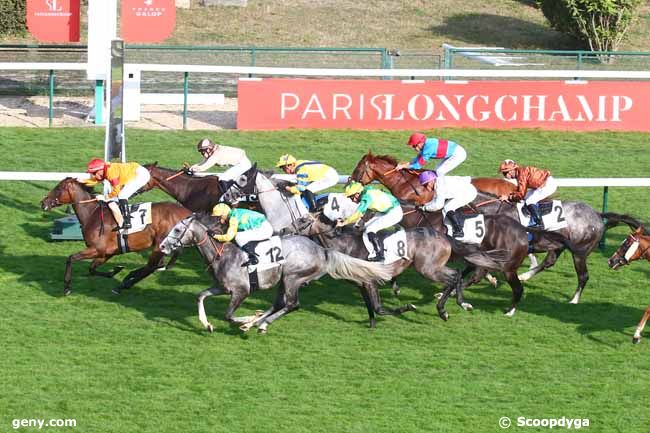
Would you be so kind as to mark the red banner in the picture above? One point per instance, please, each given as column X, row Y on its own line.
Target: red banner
column 390, row 104
column 148, row 20
column 53, row 20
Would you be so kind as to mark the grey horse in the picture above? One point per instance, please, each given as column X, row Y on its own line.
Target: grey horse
column 428, row 252
column 304, row 262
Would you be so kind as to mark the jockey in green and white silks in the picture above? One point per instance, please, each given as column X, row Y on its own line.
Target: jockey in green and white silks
column 388, row 211
column 311, row 177
column 244, row 226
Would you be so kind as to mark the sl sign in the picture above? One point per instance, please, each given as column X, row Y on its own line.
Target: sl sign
column 148, row 20
column 53, row 20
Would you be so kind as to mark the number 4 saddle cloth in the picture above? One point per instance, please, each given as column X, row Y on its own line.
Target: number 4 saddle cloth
column 551, row 211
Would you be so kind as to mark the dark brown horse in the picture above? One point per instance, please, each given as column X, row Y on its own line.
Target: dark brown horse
column 194, row 192
column 635, row 247
column 97, row 223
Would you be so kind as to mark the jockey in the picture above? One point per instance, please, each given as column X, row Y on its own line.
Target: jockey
column 312, row 177
column 449, row 194
column 217, row 154
column 533, row 185
column 121, row 181
column 451, row 153
column 244, row 226
column 388, row 211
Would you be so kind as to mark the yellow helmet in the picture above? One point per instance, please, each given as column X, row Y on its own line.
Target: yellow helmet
column 286, row 159
column 221, row 210
column 353, row 188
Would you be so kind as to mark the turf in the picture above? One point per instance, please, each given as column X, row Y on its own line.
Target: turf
column 140, row 362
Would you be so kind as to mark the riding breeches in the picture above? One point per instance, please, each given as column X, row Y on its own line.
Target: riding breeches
column 235, row 171
column 330, row 179
column 263, row 232
column 141, row 178
column 536, row 195
column 448, row 164
column 380, row 222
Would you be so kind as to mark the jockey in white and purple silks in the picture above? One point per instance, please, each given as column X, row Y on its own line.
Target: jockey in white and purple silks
column 451, row 153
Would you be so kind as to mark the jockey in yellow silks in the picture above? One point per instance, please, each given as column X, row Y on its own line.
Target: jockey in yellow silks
column 121, row 181
column 388, row 211
column 311, row 177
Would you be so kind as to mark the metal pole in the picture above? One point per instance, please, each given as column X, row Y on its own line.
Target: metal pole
column 253, row 60
column 601, row 244
column 186, row 87
column 51, row 94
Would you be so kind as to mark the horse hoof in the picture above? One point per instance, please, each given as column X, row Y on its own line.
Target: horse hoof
column 117, row 269
column 116, row 291
column 438, row 295
column 372, row 324
column 397, row 292
column 444, row 316
column 524, row 277
column 262, row 331
column 210, row 328
column 510, row 312
column 467, row 306
column 66, row 292
column 636, row 340
column 411, row 307
column 574, row 301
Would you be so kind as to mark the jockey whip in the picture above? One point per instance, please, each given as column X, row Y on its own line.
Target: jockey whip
column 174, row 176
column 483, row 203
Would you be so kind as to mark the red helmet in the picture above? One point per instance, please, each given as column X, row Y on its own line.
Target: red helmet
column 416, row 138
column 95, row 165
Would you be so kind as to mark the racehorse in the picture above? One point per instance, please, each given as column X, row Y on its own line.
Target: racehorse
column 585, row 225
column 635, row 246
column 101, row 242
column 502, row 231
column 304, row 261
column 194, row 192
column 428, row 252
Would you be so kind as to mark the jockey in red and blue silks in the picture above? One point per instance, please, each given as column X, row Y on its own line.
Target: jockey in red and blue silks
column 451, row 153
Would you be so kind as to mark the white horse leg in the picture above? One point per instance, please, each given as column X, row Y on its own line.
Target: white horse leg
column 533, row 269
column 199, row 298
column 637, row 335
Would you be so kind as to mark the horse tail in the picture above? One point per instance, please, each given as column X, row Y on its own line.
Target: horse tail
column 614, row 219
column 556, row 238
column 343, row 267
column 492, row 259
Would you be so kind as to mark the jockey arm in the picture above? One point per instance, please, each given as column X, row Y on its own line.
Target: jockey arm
column 206, row 164
column 522, row 185
column 436, row 204
column 421, row 159
column 359, row 211
column 233, row 223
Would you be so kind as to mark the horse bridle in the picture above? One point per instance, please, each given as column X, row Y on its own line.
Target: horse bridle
column 629, row 241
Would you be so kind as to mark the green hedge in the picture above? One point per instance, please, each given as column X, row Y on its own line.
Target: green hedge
column 12, row 17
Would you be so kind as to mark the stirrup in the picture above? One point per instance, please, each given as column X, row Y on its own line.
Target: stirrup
column 458, row 233
column 377, row 258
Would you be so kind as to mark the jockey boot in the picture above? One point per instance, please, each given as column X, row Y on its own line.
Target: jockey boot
column 536, row 218
column 455, row 224
column 378, row 245
column 249, row 249
column 310, row 199
column 126, row 213
column 117, row 214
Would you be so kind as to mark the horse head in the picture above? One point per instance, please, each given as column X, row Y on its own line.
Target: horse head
column 634, row 247
column 372, row 167
column 180, row 236
column 68, row 191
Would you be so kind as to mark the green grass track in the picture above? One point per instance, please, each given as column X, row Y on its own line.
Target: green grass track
column 140, row 362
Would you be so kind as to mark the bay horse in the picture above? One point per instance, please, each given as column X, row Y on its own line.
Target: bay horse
column 636, row 246
column 502, row 231
column 197, row 193
column 585, row 225
column 101, row 242
column 304, row 262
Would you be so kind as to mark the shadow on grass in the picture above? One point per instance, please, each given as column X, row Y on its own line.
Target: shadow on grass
column 502, row 31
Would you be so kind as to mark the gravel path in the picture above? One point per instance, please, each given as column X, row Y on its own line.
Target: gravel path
column 72, row 111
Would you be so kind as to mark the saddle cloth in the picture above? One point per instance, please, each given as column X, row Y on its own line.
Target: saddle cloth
column 338, row 206
column 552, row 214
column 269, row 254
column 473, row 227
column 140, row 218
column 395, row 245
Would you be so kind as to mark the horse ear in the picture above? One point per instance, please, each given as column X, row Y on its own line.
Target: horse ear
column 155, row 164
column 639, row 230
column 369, row 152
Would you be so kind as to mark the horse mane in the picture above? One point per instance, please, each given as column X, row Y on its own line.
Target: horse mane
column 387, row 158
column 87, row 188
